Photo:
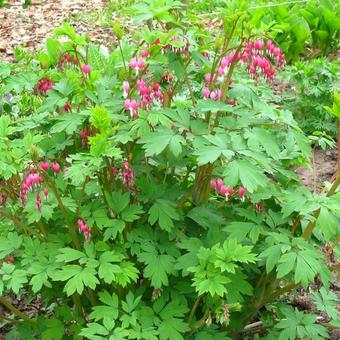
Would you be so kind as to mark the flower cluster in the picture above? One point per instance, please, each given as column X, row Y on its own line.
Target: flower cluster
column 149, row 95
column 3, row 199
column 31, row 182
column 84, row 229
column 128, row 177
column 68, row 58
column 219, row 187
column 44, row 85
column 172, row 46
column 84, row 136
column 214, row 95
column 55, row 167
column 262, row 58
column 137, row 64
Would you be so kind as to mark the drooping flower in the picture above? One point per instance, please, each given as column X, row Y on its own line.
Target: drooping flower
column 127, row 175
column 241, row 192
column 219, row 183
column 230, row 192
column 55, row 168
column 206, row 93
column 84, row 229
column 38, row 202
column 44, row 85
column 213, row 184
column 223, row 190
column 126, row 88
column 144, row 53
column 67, row 107
column 86, row 69
column 46, row 193
column 132, row 106
column 44, row 166
column 84, row 136
column 137, row 64
column 67, row 57
column 9, row 96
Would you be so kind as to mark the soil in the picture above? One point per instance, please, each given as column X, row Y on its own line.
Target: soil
column 324, row 165
column 29, row 27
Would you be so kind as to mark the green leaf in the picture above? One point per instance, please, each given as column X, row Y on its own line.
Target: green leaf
column 266, row 140
column 77, row 277
column 240, row 230
column 172, row 325
column 248, row 174
column 157, row 268
column 205, row 217
column 129, row 273
column 272, row 255
column 40, row 271
column 69, row 255
column 107, row 268
column 164, row 212
column 214, row 285
column 214, row 146
column 68, row 123
column 54, row 330
column 155, row 142
column 213, row 106
column 107, row 313
column 9, row 244
column 286, row 264
column 326, row 302
column 14, row 278
column 118, row 200
column 64, row 87
column 296, row 324
column 328, row 224
column 131, row 213
column 5, row 129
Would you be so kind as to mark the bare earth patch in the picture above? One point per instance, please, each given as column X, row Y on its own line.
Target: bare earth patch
column 324, row 169
column 29, row 27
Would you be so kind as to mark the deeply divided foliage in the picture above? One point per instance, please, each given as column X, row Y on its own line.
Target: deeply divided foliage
column 148, row 192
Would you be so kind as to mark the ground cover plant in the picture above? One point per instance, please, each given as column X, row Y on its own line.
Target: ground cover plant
column 149, row 192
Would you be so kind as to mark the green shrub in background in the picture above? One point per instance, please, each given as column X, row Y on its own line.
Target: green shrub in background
column 311, row 88
column 301, row 28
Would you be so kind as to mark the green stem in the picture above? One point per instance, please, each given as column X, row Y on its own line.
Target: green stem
column 280, row 291
column 71, row 227
column 193, row 309
column 21, row 224
column 91, row 296
column 77, row 304
column 81, row 197
column 14, row 310
column 123, row 59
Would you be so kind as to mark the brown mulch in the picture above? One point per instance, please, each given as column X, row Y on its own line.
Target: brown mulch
column 29, row 27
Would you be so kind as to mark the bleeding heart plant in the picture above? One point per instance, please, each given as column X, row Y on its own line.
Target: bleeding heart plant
column 149, row 194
